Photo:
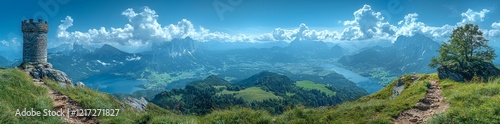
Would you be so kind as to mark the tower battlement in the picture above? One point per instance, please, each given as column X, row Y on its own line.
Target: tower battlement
column 34, row 41
column 35, row 26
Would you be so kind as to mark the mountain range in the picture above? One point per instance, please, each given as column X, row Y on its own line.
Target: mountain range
column 237, row 88
column 408, row 54
column 4, row 62
column 179, row 55
column 176, row 63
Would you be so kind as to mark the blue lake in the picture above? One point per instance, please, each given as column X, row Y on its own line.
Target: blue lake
column 369, row 84
column 122, row 84
column 113, row 84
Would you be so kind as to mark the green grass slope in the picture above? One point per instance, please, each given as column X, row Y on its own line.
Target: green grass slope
column 17, row 91
column 469, row 103
column 375, row 108
column 309, row 85
column 378, row 108
column 252, row 94
column 91, row 99
column 255, row 93
column 475, row 103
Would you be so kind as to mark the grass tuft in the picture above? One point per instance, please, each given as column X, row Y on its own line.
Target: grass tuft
column 471, row 102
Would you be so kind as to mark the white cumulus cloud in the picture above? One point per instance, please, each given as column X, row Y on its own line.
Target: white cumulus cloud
column 143, row 29
column 495, row 25
column 495, row 31
column 409, row 26
column 302, row 33
column 367, row 24
column 471, row 16
column 12, row 43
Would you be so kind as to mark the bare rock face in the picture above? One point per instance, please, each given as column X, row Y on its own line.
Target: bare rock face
column 397, row 89
column 40, row 71
column 80, row 84
column 446, row 73
column 400, row 85
column 137, row 104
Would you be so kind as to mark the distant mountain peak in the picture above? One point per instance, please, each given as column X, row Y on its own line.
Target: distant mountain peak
column 108, row 49
column 4, row 62
column 188, row 38
column 177, row 47
column 308, row 44
column 416, row 39
column 61, row 48
column 408, row 54
column 78, row 46
column 107, row 46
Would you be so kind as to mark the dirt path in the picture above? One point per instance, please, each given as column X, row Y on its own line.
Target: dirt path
column 432, row 103
column 63, row 102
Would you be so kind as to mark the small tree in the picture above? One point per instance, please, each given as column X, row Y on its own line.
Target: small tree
column 465, row 53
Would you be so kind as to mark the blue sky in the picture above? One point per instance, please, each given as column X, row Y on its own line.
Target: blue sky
column 125, row 24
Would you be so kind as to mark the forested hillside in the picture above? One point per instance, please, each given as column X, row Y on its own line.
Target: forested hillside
column 269, row 91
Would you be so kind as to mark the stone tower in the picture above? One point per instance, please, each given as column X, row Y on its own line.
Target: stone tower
column 35, row 41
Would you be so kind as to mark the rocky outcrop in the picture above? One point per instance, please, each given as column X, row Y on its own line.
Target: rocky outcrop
column 137, row 104
column 486, row 70
column 444, row 72
column 41, row 71
column 489, row 70
column 399, row 87
column 80, row 84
